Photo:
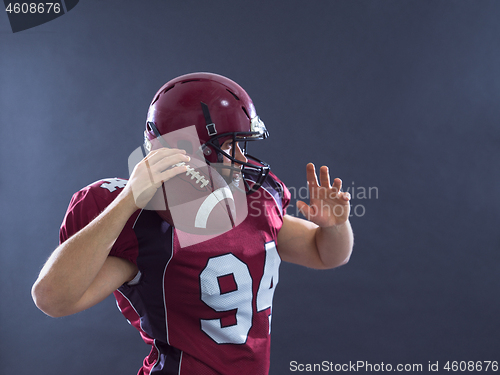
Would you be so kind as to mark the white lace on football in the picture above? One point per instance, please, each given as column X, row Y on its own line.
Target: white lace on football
column 194, row 174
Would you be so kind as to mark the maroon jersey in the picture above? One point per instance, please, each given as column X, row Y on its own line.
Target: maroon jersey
column 205, row 308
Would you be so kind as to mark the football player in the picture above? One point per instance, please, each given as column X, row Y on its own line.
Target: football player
column 204, row 308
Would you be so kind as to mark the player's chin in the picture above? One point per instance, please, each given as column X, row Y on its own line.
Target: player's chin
column 231, row 174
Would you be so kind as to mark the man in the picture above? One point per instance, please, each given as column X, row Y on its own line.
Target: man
column 204, row 308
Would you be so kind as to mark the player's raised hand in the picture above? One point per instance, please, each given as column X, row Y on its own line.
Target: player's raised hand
column 157, row 167
column 328, row 205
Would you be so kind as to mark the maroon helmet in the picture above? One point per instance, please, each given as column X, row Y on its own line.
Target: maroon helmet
column 220, row 109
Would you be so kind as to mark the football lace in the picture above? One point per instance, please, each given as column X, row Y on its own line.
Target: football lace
column 194, row 174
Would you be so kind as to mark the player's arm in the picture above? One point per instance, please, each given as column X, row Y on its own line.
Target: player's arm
column 325, row 240
column 80, row 272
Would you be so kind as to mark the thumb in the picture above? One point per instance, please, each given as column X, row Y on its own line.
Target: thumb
column 305, row 209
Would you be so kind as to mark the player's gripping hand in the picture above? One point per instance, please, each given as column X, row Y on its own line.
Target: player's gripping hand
column 156, row 168
column 328, row 205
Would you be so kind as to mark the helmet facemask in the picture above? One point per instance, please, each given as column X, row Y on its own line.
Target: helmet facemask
column 253, row 169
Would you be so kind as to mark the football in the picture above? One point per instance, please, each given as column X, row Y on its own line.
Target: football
column 197, row 202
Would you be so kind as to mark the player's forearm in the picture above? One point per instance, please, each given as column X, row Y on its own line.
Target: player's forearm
column 73, row 266
column 334, row 244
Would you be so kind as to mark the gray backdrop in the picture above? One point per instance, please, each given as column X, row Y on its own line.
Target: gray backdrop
column 398, row 96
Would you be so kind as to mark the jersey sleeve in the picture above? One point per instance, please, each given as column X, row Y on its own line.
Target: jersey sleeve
column 85, row 206
column 283, row 192
column 286, row 197
column 82, row 210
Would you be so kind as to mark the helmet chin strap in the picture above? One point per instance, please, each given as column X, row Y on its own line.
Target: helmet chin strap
column 212, row 132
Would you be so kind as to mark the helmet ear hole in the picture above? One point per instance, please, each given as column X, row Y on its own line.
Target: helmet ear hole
column 185, row 145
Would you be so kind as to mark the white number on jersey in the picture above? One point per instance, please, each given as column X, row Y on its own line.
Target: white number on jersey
column 269, row 280
column 239, row 299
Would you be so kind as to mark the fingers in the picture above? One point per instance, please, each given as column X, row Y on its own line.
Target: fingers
column 169, row 173
column 337, row 185
column 312, row 180
column 324, row 176
column 157, row 167
column 158, row 155
column 324, row 181
column 162, row 164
